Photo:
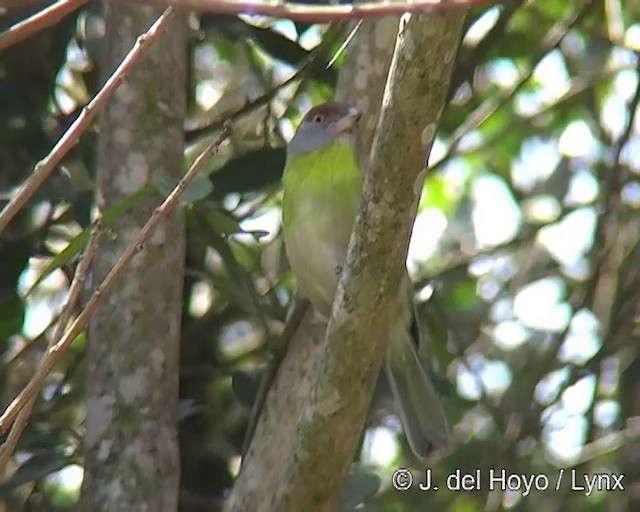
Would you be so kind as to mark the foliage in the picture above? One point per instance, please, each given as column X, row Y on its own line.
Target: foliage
column 524, row 253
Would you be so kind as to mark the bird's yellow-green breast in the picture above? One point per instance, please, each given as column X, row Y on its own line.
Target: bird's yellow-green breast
column 321, row 194
column 322, row 189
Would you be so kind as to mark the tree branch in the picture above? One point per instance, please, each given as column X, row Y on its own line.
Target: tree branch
column 363, row 75
column 46, row 166
column 57, row 350
column 354, row 346
column 361, row 82
column 552, row 39
column 314, row 13
column 65, row 315
column 41, row 20
column 316, row 58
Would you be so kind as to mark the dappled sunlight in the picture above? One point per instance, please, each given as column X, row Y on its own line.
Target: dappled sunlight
column 523, row 252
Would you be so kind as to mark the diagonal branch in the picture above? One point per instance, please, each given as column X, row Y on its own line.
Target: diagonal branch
column 317, row 57
column 361, row 82
column 314, row 13
column 552, row 39
column 42, row 19
column 77, row 283
column 46, row 166
column 55, row 352
column 366, row 300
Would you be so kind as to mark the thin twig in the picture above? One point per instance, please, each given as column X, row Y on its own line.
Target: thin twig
column 606, row 229
column 471, row 59
column 487, row 109
column 611, row 184
column 459, row 261
column 65, row 315
column 610, row 443
column 55, row 353
column 45, row 167
column 314, row 13
column 41, row 20
column 32, row 343
column 300, row 307
column 313, row 60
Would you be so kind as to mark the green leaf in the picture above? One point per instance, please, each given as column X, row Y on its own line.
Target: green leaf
column 277, row 45
column 270, row 41
column 552, row 8
column 245, row 386
column 224, row 223
column 360, row 486
column 197, row 190
column 462, row 294
column 78, row 243
column 38, row 437
column 283, row 49
column 250, row 172
column 35, row 468
column 11, row 317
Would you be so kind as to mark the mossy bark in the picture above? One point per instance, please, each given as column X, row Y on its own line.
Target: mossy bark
column 314, row 413
column 131, row 449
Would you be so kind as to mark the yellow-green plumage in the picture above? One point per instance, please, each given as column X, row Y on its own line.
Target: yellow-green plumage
column 321, row 195
column 322, row 188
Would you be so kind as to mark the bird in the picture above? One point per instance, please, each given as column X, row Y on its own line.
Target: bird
column 322, row 187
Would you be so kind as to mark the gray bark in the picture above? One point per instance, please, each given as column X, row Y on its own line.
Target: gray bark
column 313, row 415
column 366, row 62
column 131, row 447
column 366, row 301
column 364, row 75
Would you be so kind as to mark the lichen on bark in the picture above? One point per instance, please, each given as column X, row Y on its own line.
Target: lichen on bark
column 326, row 385
column 131, row 449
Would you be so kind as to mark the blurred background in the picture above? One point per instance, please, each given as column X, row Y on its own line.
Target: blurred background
column 524, row 253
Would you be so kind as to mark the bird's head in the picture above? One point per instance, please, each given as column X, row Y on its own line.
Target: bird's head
column 323, row 125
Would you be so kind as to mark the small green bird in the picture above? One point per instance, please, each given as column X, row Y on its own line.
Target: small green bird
column 322, row 189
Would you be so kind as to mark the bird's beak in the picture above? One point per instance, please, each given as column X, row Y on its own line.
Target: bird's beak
column 347, row 123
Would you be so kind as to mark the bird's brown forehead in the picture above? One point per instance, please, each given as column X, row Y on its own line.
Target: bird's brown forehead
column 331, row 109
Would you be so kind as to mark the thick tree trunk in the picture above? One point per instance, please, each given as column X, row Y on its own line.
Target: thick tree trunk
column 364, row 75
column 368, row 61
column 305, row 438
column 131, row 450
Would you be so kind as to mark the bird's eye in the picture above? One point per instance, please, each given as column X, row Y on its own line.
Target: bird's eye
column 318, row 118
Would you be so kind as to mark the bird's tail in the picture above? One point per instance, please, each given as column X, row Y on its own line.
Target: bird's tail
column 423, row 419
